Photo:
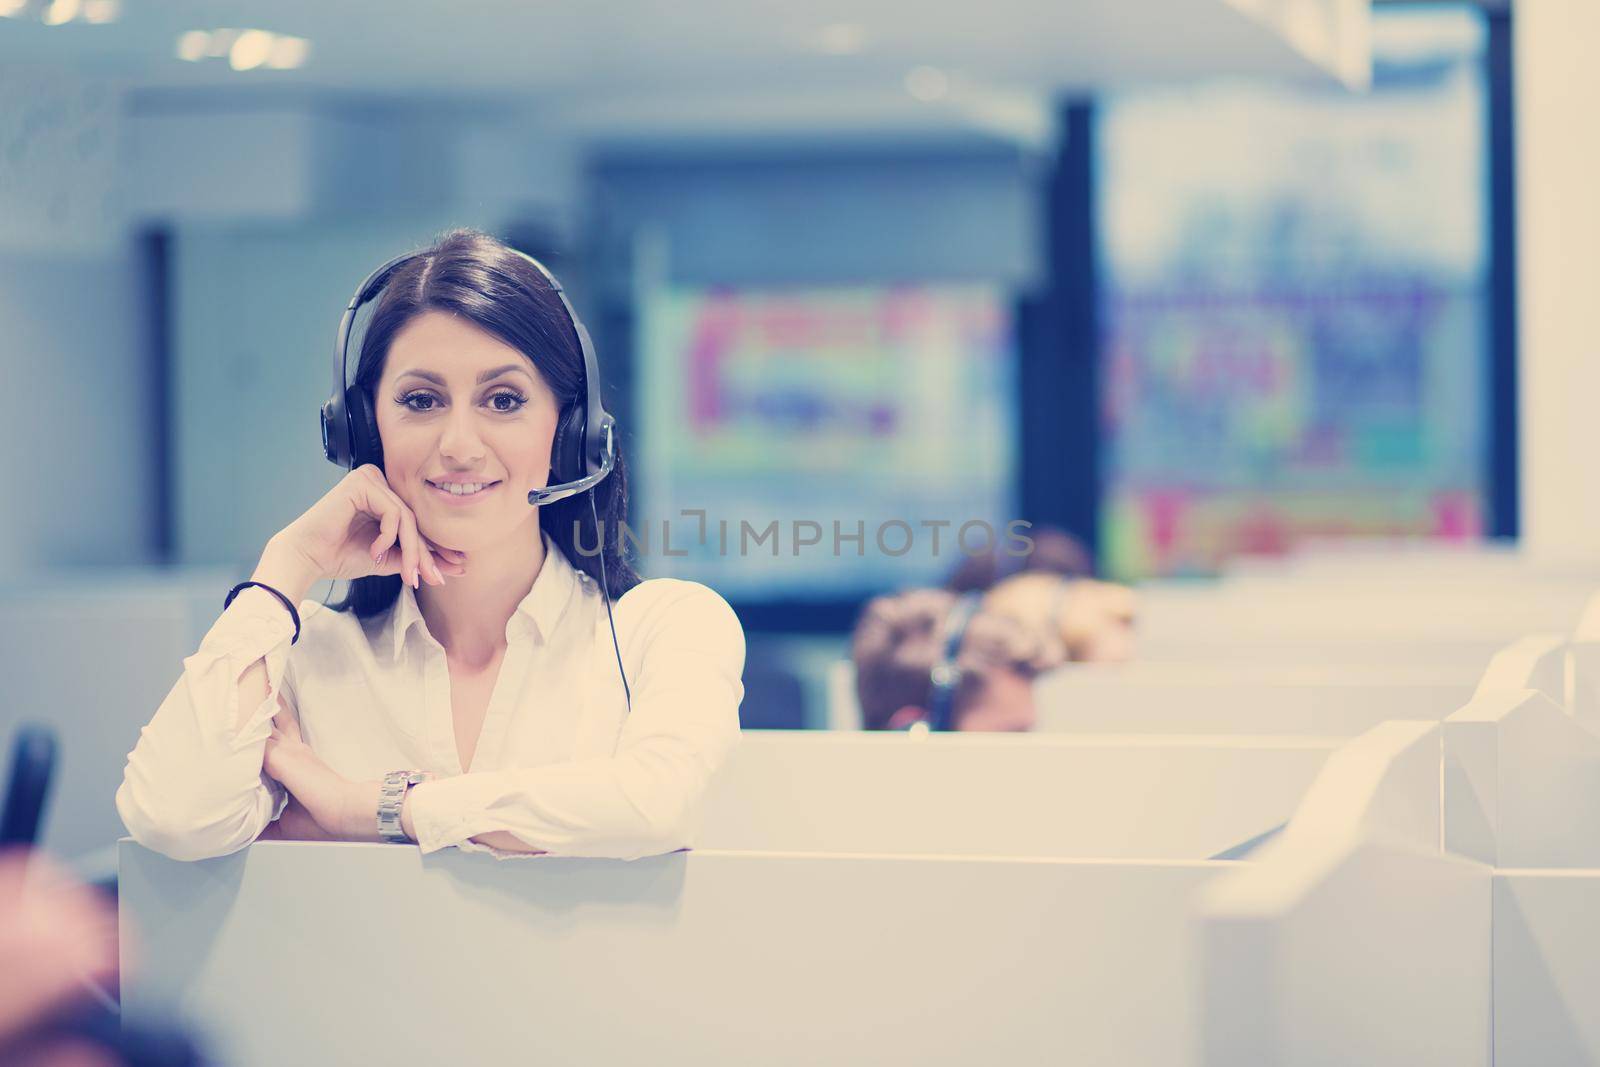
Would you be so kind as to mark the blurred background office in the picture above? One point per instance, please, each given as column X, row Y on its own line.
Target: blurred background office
column 1188, row 288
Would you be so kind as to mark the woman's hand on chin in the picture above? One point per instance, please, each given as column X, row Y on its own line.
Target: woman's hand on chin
column 323, row 805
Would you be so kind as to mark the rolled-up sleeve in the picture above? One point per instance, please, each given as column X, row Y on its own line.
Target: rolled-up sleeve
column 193, row 786
column 644, row 799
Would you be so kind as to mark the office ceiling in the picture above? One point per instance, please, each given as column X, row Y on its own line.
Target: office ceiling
column 634, row 64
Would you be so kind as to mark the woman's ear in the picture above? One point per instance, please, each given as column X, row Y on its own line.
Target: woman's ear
column 907, row 715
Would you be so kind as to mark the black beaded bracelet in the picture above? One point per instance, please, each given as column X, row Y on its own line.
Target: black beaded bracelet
column 293, row 614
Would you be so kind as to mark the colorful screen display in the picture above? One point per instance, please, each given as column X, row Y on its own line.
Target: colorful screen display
column 1294, row 307
column 881, row 410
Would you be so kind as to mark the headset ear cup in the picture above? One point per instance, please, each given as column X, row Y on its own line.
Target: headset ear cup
column 366, row 445
column 566, row 451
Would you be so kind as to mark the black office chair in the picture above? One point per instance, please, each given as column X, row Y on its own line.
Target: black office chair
column 33, row 763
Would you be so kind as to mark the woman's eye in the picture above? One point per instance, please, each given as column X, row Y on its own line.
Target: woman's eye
column 408, row 401
column 517, row 402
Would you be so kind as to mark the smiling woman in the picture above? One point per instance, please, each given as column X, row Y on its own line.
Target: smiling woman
column 476, row 686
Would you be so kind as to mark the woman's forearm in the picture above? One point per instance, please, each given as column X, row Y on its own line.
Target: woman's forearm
column 505, row 841
column 282, row 570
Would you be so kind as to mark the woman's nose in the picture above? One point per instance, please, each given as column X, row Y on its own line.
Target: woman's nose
column 460, row 441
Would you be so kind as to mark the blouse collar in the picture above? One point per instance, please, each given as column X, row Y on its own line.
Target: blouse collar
column 541, row 609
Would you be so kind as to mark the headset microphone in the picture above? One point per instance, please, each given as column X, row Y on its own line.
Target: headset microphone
column 608, row 459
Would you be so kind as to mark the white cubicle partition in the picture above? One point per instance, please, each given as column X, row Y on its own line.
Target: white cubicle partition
column 1537, row 661
column 1347, row 559
column 92, row 653
column 1522, row 790
column 1334, row 612
column 1108, row 797
column 1588, row 627
column 1354, row 938
column 1461, row 659
column 1060, row 934
column 332, row 953
column 1206, row 698
column 1546, row 967
column 1583, row 666
column 1479, row 588
column 843, row 708
column 1522, row 783
column 1565, row 669
column 1312, row 690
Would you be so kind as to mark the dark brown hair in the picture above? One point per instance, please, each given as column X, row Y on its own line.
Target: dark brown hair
column 1053, row 550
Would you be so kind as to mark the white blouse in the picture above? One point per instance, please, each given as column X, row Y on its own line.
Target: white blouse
column 561, row 763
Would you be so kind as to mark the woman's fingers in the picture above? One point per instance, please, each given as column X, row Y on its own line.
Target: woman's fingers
column 380, row 503
column 419, row 561
column 427, row 562
column 447, row 560
column 286, row 720
column 407, row 539
column 388, row 526
column 449, row 555
column 445, row 569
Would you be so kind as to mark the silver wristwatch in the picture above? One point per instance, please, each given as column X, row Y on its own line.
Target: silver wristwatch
column 390, row 800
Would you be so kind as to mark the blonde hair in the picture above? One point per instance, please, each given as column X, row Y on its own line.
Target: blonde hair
column 1077, row 611
column 897, row 642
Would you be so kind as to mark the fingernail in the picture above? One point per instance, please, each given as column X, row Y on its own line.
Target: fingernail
column 377, row 560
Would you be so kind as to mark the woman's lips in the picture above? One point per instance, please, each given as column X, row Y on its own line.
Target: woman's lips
column 460, row 499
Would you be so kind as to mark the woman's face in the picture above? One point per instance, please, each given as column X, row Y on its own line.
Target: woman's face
column 455, row 403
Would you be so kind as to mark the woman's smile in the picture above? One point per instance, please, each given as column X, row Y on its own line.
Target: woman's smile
column 461, row 494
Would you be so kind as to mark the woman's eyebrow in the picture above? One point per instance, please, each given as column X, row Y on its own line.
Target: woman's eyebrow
column 429, row 376
column 507, row 369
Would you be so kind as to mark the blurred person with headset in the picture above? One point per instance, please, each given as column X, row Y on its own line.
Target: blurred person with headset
column 476, row 686
column 930, row 658
column 964, row 658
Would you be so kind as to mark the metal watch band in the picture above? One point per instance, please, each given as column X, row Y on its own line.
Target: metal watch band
column 390, row 799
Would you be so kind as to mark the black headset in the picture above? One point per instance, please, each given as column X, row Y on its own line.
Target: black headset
column 582, row 453
column 584, row 449
column 944, row 678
